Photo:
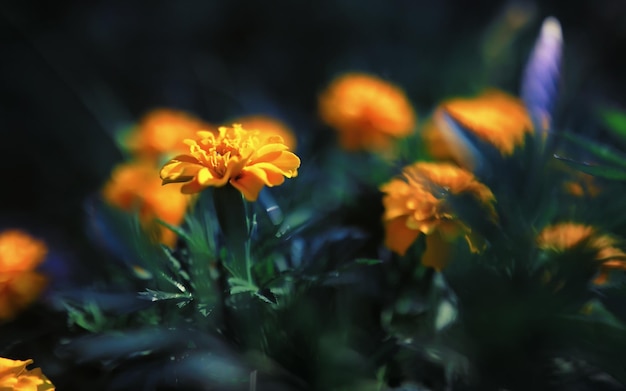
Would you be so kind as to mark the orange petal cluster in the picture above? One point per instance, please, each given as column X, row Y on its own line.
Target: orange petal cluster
column 493, row 116
column 367, row 112
column 161, row 133
column 137, row 185
column 417, row 204
column 564, row 236
column 248, row 160
column 15, row 377
column 268, row 126
column 20, row 283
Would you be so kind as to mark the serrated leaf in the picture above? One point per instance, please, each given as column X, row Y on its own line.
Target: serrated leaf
column 154, row 295
column 263, row 298
column 234, row 281
column 242, row 289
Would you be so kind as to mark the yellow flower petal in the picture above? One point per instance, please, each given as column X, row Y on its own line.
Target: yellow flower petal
column 398, row 237
column 249, row 184
column 15, row 377
column 494, row 116
column 437, row 253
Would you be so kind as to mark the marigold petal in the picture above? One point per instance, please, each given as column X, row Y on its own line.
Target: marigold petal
column 398, row 237
column 182, row 168
column 394, row 208
column 437, row 253
column 249, row 184
column 615, row 265
column 269, row 175
column 493, row 116
column 272, row 171
column 16, row 377
column 192, row 187
column 269, row 149
column 287, row 162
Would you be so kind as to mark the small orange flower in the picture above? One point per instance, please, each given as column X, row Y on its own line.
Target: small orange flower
column 137, row 185
column 268, row 126
column 584, row 185
column 416, row 204
column 162, row 131
column 15, row 377
column 247, row 160
column 366, row 111
column 20, row 284
column 494, row 117
column 564, row 236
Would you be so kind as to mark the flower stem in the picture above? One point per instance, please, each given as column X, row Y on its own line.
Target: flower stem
column 230, row 208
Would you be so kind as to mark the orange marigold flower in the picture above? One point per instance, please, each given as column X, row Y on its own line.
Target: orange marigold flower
column 564, row 236
column 366, row 111
column 416, row 204
column 15, row 377
column 162, row 131
column 494, row 117
column 247, row 160
column 137, row 185
column 20, row 284
column 269, row 126
column 582, row 186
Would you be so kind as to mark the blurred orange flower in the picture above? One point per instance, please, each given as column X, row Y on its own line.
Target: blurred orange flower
column 584, row 185
column 15, row 377
column 416, row 204
column 367, row 112
column 564, row 236
column 248, row 160
column 268, row 126
column 493, row 116
column 20, row 284
column 162, row 131
column 137, row 185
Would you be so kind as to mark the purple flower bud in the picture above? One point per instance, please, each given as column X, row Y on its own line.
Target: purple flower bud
column 541, row 76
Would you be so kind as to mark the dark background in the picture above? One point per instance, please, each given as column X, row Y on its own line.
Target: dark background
column 72, row 73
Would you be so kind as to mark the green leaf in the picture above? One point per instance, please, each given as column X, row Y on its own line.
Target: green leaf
column 612, row 173
column 239, row 285
column 368, row 261
column 177, row 230
column 154, row 295
column 615, row 120
column 601, row 151
column 242, row 289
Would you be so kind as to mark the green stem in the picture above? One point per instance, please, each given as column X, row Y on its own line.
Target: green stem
column 230, row 208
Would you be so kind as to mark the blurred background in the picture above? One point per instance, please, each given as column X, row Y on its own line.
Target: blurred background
column 75, row 73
